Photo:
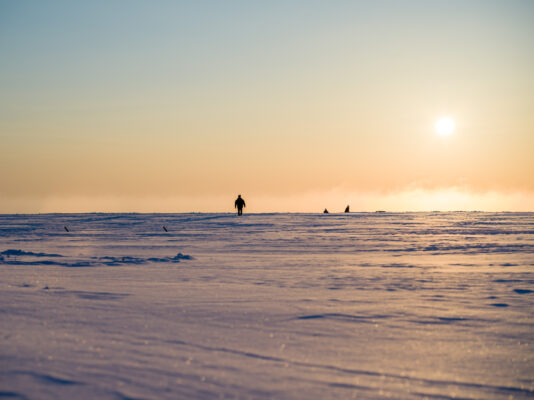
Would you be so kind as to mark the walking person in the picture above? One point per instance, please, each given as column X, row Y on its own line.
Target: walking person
column 239, row 204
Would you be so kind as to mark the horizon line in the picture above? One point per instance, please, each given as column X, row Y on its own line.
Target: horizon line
column 273, row 212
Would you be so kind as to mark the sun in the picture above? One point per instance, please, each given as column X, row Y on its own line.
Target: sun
column 445, row 126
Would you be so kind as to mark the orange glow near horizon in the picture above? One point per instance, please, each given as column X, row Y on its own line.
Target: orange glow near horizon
column 452, row 199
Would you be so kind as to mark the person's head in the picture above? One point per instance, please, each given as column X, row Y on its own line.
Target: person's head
column 238, row 195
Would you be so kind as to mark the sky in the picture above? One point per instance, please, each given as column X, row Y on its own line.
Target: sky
column 170, row 106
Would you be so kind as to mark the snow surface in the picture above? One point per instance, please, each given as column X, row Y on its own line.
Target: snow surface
column 282, row 306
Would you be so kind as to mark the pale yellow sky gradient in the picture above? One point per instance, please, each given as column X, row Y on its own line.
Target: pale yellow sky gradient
column 174, row 107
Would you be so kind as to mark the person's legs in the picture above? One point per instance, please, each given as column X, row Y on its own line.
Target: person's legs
column 239, row 211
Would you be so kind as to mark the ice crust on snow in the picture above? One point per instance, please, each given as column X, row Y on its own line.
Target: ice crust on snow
column 286, row 306
column 29, row 258
column 13, row 252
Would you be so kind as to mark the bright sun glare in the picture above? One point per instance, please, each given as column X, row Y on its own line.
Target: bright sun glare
column 445, row 126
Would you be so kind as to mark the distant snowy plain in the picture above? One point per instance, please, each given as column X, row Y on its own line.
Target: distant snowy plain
column 267, row 306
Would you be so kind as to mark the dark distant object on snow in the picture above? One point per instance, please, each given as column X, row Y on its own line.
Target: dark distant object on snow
column 347, row 209
column 380, row 211
column 67, row 229
column 325, row 211
column 239, row 204
column 165, row 229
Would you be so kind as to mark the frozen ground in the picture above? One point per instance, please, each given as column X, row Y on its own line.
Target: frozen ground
column 281, row 306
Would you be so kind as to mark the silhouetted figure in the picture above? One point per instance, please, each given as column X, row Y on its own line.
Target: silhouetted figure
column 239, row 204
column 347, row 209
column 325, row 211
